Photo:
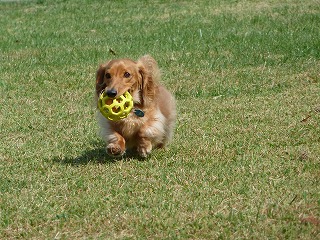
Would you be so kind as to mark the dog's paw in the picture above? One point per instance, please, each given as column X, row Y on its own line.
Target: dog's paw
column 144, row 151
column 114, row 150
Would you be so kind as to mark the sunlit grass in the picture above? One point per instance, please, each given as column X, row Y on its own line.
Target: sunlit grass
column 244, row 162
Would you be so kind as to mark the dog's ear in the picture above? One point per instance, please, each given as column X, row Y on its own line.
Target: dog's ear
column 100, row 84
column 150, row 74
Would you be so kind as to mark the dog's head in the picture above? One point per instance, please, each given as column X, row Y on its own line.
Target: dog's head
column 121, row 75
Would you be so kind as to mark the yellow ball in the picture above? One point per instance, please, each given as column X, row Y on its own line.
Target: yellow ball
column 115, row 109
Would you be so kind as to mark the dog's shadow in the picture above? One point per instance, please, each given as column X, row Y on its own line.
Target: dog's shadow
column 96, row 155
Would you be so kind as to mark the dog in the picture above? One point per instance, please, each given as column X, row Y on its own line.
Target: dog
column 151, row 122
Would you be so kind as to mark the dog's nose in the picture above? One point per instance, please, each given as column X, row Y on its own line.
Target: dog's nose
column 112, row 93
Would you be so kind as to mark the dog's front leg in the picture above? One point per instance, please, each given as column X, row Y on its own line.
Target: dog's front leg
column 144, row 146
column 116, row 145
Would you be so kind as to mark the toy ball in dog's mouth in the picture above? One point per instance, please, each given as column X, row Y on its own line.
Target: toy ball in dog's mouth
column 115, row 109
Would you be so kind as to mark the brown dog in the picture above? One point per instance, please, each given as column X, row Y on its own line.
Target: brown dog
column 151, row 122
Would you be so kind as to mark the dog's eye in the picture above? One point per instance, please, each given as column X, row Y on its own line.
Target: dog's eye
column 108, row 76
column 126, row 75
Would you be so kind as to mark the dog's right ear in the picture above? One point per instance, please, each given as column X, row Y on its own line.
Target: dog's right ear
column 100, row 84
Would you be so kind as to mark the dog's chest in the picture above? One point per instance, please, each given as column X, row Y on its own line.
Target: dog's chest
column 130, row 126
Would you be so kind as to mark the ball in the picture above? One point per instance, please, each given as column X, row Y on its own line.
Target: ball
column 115, row 109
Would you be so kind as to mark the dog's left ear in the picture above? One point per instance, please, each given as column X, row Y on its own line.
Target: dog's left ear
column 146, row 85
column 150, row 73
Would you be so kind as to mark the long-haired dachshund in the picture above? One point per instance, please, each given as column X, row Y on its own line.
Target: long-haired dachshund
column 151, row 122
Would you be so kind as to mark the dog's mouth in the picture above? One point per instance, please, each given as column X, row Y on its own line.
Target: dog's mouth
column 112, row 93
column 136, row 95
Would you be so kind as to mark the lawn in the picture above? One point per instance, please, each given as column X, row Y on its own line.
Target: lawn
column 245, row 159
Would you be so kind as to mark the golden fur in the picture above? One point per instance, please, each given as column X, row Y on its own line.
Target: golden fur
column 141, row 79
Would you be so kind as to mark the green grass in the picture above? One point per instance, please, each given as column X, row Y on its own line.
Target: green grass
column 244, row 163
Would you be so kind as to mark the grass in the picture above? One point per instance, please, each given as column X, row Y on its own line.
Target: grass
column 244, row 163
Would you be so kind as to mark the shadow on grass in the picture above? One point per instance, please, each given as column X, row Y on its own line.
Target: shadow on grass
column 97, row 155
